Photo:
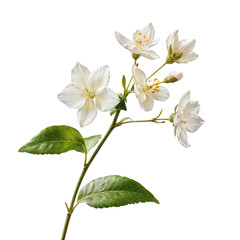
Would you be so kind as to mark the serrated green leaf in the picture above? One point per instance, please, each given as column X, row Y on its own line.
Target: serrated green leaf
column 55, row 140
column 114, row 191
column 90, row 142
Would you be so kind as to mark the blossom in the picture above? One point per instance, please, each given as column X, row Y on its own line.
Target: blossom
column 147, row 90
column 89, row 92
column 141, row 42
column 186, row 118
column 180, row 51
column 173, row 76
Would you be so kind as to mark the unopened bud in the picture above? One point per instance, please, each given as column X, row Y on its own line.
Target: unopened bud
column 176, row 56
column 169, row 59
column 171, row 118
column 173, row 77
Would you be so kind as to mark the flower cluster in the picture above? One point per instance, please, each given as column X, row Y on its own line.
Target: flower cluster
column 89, row 92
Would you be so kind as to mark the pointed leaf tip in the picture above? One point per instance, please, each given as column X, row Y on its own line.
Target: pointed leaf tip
column 114, row 191
column 55, row 140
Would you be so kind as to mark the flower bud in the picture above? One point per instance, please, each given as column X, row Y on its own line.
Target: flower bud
column 176, row 56
column 169, row 59
column 171, row 118
column 173, row 77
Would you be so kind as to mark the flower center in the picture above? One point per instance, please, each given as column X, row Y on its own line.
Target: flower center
column 140, row 39
column 152, row 85
column 88, row 93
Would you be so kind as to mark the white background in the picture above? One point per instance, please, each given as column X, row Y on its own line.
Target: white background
column 198, row 188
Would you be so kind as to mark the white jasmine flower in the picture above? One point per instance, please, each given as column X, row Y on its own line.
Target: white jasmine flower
column 180, row 51
column 88, row 92
column 141, row 42
column 173, row 76
column 186, row 119
column 148, row 90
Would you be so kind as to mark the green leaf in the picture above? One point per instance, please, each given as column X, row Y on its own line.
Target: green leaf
column 91, row 141
column 124, row 82
column 122, row 104
column 113, row 111
column 124, row 119
column 114, row 191
column 55, row 140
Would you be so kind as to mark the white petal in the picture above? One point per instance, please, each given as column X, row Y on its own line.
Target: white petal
column 186, row 45
column 139, row 76
column 183, row 101
column 176, row 120
column 149, row 54
column 99, row 78
column 140, row 94
column 172, row 39
column 193, row 122
column 132, row 47
column 87, row 113
column 121, row 39
column 106, row 100
column 147, row 105
column 188, row 57
column 149, row 32
column 152, row 43
column 182, row 137
column 80, row 75
column 162, row 95
column 72, row 96
column 192, row 107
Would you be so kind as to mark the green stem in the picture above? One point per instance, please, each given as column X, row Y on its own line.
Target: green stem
column 154, row 120
column 157, row 70
column 129, row 84
column 135, row 63
column 85, row 168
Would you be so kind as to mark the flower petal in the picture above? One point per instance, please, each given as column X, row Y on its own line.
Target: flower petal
column 188, row 57
column 149, row 32
column 139, row 76
column 153, row 43
column 80, row 75
column 172, row 39
column 99, row 78
column 147, row 105
column 121, row 39
column 72, row 96
column 132, row 48
column 193, row 122
column 192, row 107
column 149, row 54
column 187, row 45
column 161, row 95
column 183, row 101
column 182, row 137
column 106, row 100
column 87, row 113
column 140, row 94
